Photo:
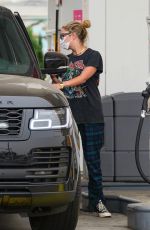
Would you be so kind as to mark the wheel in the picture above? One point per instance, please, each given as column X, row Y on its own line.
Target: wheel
column 66, row 220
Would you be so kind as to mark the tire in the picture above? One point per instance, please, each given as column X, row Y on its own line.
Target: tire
column 63, row 221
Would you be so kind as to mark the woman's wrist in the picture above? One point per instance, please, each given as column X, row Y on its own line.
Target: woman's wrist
column 61, row 85
column 64, row 84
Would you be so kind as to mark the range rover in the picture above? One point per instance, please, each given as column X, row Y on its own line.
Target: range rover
column 39, row 142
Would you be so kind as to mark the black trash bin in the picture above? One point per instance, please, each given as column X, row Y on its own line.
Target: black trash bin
column 121, row 115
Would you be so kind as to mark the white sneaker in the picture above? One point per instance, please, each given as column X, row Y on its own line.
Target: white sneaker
column 102, row 210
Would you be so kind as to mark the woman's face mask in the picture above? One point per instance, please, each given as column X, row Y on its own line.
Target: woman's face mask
column 64, row 44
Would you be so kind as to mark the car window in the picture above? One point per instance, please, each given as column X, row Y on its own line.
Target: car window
column 14, row 55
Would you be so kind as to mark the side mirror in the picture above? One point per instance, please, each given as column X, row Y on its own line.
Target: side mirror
column 55, row 63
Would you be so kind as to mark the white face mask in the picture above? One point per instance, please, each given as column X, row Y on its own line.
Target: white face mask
column 63, row 44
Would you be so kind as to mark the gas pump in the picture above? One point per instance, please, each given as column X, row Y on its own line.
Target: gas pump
column 144, row 113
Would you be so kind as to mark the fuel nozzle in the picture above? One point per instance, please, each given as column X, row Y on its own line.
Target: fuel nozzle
column 146, row 95
column 146, row 92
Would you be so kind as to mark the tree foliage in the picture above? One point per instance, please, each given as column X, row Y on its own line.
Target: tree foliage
column 37, row 45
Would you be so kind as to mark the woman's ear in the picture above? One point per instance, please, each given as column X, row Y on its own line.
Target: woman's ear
column 74, row 35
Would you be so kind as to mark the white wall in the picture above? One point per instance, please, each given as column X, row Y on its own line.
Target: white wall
column 65, row 11
column 97, row 33
column 119, row 31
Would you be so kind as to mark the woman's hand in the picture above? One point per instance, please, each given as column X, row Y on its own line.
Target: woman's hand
column 55, row 79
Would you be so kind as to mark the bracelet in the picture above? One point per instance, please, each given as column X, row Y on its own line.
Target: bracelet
column 61, row 85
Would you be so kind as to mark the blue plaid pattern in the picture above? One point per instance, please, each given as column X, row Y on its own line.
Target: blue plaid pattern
column 92, row 136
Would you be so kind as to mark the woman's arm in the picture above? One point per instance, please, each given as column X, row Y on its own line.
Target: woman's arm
column 82, row 78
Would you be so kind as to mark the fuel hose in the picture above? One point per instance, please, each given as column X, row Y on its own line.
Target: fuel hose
column 146, row 95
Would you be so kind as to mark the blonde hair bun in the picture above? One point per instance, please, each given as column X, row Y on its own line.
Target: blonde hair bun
column 86, row 24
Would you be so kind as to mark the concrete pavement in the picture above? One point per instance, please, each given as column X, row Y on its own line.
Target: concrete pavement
column 89, row 222
column 86, row 222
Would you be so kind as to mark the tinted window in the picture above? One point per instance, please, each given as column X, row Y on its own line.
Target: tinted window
column 14, row 55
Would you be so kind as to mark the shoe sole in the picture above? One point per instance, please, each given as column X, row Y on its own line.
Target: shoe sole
column 96, row 214
column 104, row 215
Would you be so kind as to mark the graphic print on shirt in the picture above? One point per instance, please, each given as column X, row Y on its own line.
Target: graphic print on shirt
column 74, row 70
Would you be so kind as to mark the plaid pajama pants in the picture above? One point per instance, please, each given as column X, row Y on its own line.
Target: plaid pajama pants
column 92, row 136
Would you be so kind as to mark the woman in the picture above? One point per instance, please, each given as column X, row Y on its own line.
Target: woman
column 80, row 86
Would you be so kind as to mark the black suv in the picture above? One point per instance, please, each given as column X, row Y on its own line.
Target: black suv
column 39, row 143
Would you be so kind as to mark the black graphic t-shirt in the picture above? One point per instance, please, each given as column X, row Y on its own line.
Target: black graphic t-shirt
column 85, row 99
